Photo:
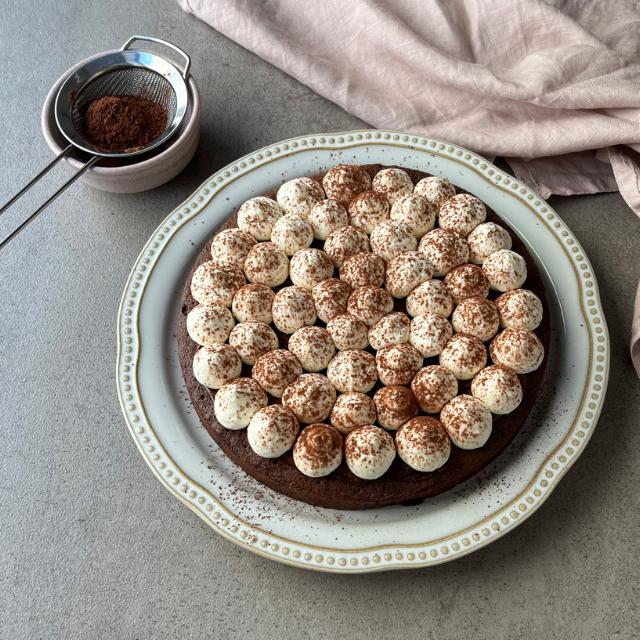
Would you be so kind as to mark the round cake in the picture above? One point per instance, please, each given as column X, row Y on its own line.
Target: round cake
column 368, row 337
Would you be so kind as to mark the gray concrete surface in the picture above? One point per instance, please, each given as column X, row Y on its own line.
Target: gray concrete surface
column 91, row 546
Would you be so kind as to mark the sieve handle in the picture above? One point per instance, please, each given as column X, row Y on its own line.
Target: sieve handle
column 42, row 207
column 178, row 50
column 35, row 179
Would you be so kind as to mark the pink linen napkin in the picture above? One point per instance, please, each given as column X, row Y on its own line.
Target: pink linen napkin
column 554, row 87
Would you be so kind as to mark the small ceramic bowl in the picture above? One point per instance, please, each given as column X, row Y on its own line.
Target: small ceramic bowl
column 139, row 173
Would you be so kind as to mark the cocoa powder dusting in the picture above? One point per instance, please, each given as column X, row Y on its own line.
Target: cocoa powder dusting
column 122, row 123
column 320, row 443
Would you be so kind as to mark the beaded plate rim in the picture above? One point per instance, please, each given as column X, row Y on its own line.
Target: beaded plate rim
column 385, row 557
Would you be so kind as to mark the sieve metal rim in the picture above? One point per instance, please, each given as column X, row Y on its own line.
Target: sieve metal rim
column 106, row 63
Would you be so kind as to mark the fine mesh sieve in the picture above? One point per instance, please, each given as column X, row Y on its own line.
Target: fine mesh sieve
column 128, row 81
column 124, row 72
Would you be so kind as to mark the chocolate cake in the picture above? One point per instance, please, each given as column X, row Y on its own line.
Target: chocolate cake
column 338, row 486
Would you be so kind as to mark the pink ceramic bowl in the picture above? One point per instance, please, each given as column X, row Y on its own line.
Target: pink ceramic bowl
column 130, row 176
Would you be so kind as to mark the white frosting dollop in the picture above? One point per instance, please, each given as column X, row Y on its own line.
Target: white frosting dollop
column 464, row 355
column 310, row 397
column 299, row 195
column 467, row 421
column 252, row 339
column 352, row 371
column 208, row 325
column 391, row 238
column 275, row 370
column 416, row 212
column 362, row 270
column 476, row 316
column 252, row 303
column 392, row 183
column 423, row 443
column 216, row 365
column 407, row 271
column 467, row 281
column 462, row 214
column 369, row 209
column 348, row 332
column 266, row 264
column 236, row 402
column 444, row 249
column 369, row 304
column 485, row 239
column 292, row 309
column 435, row 189
column 394, row 406
column 313, row 347
column 505, row 270
column 430, row 333
column 309, row 267
column 344, row 243
column 398, row 363
column 291, row 234
column 369, row 452
column 394, row 328
column 345, row 181
column 433, row 386
column 327, row 216
column 518, row 349
column 231, row 246
column 520, row 309
column 318, row 450
column 498, row 388
column 272, row 431
column 352, row 410
column 431, row 296
column 216, row 284
column 330, row 298
column 258, row 215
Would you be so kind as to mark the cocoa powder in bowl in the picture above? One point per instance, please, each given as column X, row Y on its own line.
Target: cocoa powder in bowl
column 123, row 123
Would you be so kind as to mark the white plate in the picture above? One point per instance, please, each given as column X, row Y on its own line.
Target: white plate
column 189, row 464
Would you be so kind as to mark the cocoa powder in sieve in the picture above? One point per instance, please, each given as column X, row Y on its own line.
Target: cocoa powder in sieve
column 123, row 123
